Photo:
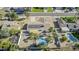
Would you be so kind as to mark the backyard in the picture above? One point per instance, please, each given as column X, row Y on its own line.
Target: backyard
column 76, row 35
column 69, row 19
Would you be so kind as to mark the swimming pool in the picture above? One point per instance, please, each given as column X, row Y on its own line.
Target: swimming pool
column 71, row 37
column 41, row 41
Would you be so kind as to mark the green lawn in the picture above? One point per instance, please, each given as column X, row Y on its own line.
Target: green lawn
column 37, row 10
column 69, row 19
column 76, row 35
column 49, row 9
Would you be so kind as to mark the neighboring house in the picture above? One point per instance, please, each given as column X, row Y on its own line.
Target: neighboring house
column 64, row 9
column 73, row 26
column 58, row 9
column 6, row 24
column 62, row 25
column 68, row 26
column 20, row 10
column 6, row 9
column 9, row 24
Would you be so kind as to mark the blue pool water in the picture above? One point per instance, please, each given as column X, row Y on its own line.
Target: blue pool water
column 71, row 37
column 42, row 41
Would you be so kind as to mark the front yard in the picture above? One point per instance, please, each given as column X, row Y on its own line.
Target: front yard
column 49, row 9
column 37, row 9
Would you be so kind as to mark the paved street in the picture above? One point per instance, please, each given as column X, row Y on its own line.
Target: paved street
column 52, row 14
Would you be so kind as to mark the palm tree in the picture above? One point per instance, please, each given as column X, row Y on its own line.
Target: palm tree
column 33, row 36
column 50, row 29
column 8, row 45
column 63, row 39
column 49, row 38
column 12, row 16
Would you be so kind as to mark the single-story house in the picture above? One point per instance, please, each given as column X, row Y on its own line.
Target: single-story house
column 36, row 26
column 72, row 26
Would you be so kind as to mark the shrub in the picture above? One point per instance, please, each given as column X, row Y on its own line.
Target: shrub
column 50, row 29
column 13, row 31
column 76, row 45
column 63, row 39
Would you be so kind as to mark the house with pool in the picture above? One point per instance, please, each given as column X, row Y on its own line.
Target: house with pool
column 38, row 25
column 69, row 28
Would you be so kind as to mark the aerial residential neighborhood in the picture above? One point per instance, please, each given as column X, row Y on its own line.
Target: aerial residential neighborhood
column 39, row 29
